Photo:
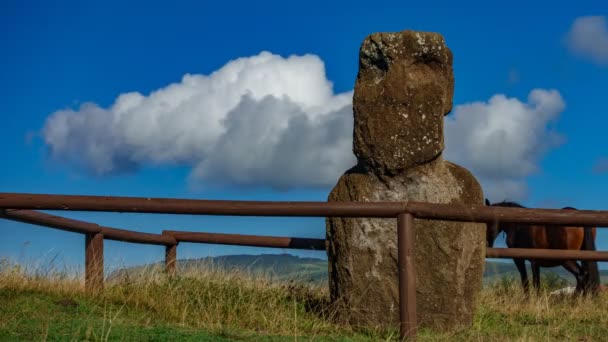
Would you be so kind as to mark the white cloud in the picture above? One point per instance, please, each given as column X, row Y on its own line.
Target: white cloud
column 274, row 121
column 502, row 141
column 263, row 119
column 588, row 37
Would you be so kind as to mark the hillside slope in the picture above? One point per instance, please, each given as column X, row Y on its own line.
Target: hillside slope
column 290, row 267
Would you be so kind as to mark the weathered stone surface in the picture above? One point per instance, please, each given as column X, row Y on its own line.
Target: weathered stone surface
column 404, row 88
column 448, row 255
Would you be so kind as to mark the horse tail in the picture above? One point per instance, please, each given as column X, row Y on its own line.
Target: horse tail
column 592, row 279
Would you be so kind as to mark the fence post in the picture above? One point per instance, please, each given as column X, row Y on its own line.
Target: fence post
column 93, row 279
column 407, row 276
column 170, row 259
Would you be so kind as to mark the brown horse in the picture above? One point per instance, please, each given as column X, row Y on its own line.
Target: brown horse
column 549, row 237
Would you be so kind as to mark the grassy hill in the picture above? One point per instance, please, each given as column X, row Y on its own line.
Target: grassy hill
column 281, row 267
column 312, row 270
column 215, row 305
column 496, row 270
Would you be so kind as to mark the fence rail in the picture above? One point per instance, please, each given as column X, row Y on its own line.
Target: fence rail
column 431, row 211
column 76, row 226
column 18, row 207
column 249, row 240
column 553, row 254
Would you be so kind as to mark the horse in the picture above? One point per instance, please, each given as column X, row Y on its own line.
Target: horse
column 548, row 237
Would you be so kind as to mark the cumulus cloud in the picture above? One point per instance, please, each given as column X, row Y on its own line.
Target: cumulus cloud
column 588, row 37
column 258, row 120
column 502, row 140
column 275, row 121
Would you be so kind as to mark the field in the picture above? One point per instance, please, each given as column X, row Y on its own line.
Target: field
column 216, row 304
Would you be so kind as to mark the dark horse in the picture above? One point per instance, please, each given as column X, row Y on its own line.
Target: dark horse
column 549, row 237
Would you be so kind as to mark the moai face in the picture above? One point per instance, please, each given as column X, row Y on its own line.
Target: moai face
column 404, row 89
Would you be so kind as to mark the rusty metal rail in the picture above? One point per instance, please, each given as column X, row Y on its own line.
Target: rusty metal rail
column 199, row 207
column 16, row 206
column 248, row 240
column 549, row 254
column 172, row 237
column 431, row 211
column 76, row 226
column 484, row 214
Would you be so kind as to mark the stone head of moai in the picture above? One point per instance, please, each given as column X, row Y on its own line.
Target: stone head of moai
column 404, row 89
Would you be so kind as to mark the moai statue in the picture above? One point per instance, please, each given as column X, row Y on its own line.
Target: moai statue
column 403, row 91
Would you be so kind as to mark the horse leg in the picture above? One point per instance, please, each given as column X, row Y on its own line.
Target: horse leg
column 536, row 275
column 521, row 267
column 578, row 273
column 592, row 277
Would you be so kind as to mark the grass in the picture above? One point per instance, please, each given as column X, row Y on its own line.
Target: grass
column 505, row 313
column 215, row 305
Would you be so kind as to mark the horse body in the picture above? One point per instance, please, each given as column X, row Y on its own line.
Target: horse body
column 557, row 237
column 549, row 237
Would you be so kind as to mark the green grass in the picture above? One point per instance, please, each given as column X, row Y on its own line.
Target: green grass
column 505, row 313
column 216, row 305
column 35, row 316
column 147, row 306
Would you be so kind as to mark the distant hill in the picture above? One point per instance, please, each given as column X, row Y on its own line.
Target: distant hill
column 499, row 269
column 274, row 266
column 314, row 270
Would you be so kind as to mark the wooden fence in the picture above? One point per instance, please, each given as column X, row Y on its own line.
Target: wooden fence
column 21, row 207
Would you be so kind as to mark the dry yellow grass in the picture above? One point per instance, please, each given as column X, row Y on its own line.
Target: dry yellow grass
column 212, row 300
column 228, row 305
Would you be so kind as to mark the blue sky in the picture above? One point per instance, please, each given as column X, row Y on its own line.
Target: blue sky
column 534, row 70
